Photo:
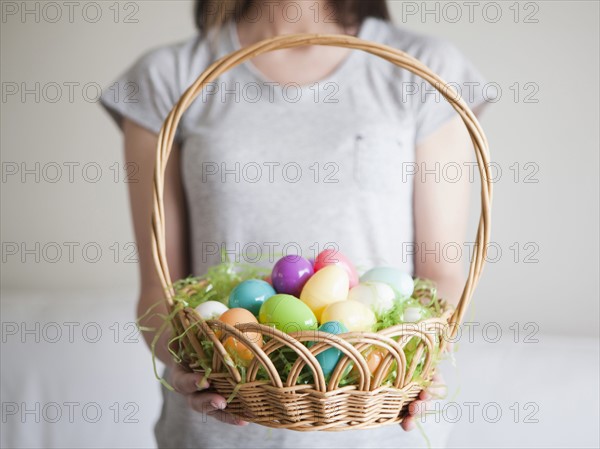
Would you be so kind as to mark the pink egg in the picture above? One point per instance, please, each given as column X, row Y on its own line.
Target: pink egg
column 333, row 257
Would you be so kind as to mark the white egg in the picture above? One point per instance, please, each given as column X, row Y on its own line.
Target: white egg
column 405, row 285
column 400, row 281
column 211, row 310
column 377, row 295
column 412, row 314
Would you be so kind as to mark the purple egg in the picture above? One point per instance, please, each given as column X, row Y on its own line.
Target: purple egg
column 290, row 273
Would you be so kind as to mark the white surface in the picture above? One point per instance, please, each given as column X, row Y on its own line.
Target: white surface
column 554, row 382
column 559, row 376
column 107, row 372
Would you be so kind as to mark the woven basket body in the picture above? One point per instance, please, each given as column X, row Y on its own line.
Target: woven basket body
column 321, row 405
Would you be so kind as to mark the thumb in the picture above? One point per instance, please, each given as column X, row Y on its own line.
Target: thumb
column 185, row 382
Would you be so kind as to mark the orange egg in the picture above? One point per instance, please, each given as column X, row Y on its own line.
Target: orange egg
column 236, row 349
column 374, row 358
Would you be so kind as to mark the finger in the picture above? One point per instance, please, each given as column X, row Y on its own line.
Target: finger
column 437, row 389
column 408, row 423
column 428, row 393
column 187, row 383
column 228, row 418
column 416, row 408
column 206, row 402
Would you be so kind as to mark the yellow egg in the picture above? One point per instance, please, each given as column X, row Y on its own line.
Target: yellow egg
column 236, row 349
column 327, row 286
column 354, row 315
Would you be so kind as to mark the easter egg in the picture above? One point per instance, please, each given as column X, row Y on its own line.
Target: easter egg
column 250, row 295
column 401, row 282
column 211, row 310
column 353, row 314
column 290, row 273
column 236, row 349
column 329, row 358
column 288, row 314
column 374, row 357
column 377, row 295
column 326, row 286
column 237, row 316
column 265, row 314
column 333, row 257
column 414, row 313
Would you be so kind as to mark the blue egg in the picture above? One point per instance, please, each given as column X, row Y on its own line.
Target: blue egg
column 250, row 295
column 329, row 358
column 400, row 281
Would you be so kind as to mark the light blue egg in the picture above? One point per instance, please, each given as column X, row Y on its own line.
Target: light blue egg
column 400, row 281
column 329, row 358
column 250, row 295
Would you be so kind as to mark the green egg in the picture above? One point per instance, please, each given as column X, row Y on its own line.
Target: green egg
column 265, row 313
column 288, row 314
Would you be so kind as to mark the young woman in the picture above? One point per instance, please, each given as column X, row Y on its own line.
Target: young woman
column 295, row 150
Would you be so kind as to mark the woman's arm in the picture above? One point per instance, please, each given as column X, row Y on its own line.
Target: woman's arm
column 140, row 149
column 441, row 208
column 441, row 211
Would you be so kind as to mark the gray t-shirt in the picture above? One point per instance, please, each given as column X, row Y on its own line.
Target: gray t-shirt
column 271, row 169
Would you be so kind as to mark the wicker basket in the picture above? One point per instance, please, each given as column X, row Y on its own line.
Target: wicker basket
column 281, row 403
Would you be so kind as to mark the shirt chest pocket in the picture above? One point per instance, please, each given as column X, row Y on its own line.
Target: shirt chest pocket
column 383, row 154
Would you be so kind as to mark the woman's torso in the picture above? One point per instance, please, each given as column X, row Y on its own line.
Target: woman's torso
column 271, row 169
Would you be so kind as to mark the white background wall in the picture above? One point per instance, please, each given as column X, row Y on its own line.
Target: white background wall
column 557, row 216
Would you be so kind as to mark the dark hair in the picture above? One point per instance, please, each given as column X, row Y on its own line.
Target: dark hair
column 214, row 13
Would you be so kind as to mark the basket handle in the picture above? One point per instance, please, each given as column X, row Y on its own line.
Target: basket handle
column 395, row 56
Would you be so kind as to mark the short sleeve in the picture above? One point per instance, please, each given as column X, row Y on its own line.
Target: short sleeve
column 431, row 109
column 146, row 92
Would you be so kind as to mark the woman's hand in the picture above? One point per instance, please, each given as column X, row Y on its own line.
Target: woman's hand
column 436, row 390
column 193, row 386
